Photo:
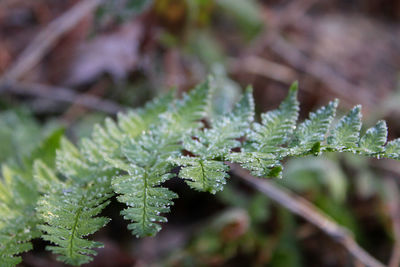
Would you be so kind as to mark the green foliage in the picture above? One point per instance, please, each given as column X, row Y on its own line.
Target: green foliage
column 133, row 156
column 19, row 193
column 374, row 139
column 277, row 126
column 146, row 166
column 206, row 171
column 347, row 131
column 309, row 137
column 19, row 133
column 312, row 131
column 69, row 215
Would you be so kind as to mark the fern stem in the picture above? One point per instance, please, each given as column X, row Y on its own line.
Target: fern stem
column 71, row 238
column 202, row 175
column 144, row 199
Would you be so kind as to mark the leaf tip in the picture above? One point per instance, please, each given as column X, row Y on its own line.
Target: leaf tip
column 294, row 87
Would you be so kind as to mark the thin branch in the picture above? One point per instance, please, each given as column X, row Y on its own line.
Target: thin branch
column 263, row 67
column 46, row 38
column 309, row 212
column 63, row 95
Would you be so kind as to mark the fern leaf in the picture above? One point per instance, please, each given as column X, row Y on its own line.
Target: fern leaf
column 204, row 173
column 258, row 163
column 147, row 164
column 135, row 122
column 69, row 217
column 374, row 139
column 185, row 114
column 392, row 149
column 226, row 129
column 68, row 212
column 313, row 130
column 277, row 125
column 140, row 189
column 346, row 134
column 106, row 140
column 266, row 139
column 136, row 154
column 145, row 201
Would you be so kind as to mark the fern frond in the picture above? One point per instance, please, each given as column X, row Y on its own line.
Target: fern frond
column 392, row 149
column 135, row 122
column 203, row 175
column 266, row 140
column 107, row 139
column 146, row 162
column 347, row 131
column 133, row 156
column 185, row 115
column 258, row 163
column 276, row 126
column 374, row 139
column 140, row 189
column 68, row 211
column 205, row 172
column 69, row 215
column 313, row 131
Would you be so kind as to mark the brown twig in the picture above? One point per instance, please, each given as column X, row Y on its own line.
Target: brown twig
column 63, row 95
column 46, row 38
column 309, row 212
column 263, row 67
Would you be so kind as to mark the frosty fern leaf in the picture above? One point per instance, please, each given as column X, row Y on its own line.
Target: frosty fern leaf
column 374, row 139
column 146, row 167
column 140, row 187
column 266, row 138
column 277, row 125
column 206, row 171
column 392, row 149
column 74, row 203
column 347, row 131
column 107, row 139
column 313, row 130
column 68, row 212
column 69, row 215
column 133, row 156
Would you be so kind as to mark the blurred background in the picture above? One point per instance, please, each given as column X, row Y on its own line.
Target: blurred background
column 71, row 63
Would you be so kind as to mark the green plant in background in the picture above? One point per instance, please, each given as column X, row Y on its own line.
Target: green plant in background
column 132, row 157
column 22, row 143
column 19, row 134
